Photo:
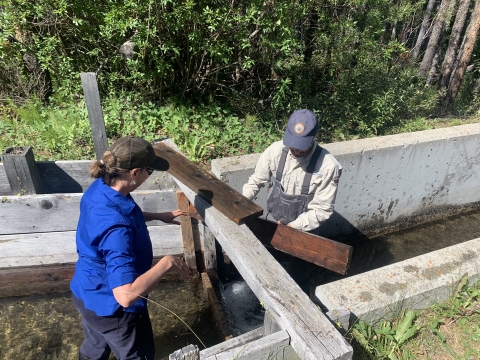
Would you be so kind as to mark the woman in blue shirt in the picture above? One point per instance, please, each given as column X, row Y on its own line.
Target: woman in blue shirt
column 114, row 272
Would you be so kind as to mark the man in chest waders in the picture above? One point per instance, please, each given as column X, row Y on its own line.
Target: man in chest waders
column 303, row 181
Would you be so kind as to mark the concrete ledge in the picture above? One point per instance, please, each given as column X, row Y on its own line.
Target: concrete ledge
column 412, row 284
column 391, row 182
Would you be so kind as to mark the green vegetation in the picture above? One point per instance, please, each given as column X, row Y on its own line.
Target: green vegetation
column 448, row 330
column 221, row 77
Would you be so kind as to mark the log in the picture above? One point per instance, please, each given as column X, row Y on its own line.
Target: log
column 230, row 202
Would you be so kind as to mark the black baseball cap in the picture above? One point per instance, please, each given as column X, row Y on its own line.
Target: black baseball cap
column 132, row 152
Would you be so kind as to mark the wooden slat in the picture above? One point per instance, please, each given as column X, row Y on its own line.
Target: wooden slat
column 60, row 212
column 230, row 202
column 59, row 247
column 312, row 335
column 95, row 113
column 267, row 347
column 187, row 232
column 318, row 250
column 241, row 340
column 45, row 279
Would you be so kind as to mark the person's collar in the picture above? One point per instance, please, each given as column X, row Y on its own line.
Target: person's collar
column 126, row 203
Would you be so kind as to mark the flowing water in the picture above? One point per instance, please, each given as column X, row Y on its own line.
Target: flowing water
column 243, row 308
column 48, row 327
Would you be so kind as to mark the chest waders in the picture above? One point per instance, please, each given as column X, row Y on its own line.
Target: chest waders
column 285, row 207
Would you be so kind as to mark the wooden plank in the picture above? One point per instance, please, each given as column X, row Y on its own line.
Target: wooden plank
column 318, row 250
column 233, row 343
column 230, row 202
column 312, row 335
column 209, row 253
column 22, row 173
column 189, row 352
column 59, row 247
column 45, row 279
column 60, row 212
column 95, row 113
column 35, row 280
column 218, row 315
column 187, row 232
column 267, row 347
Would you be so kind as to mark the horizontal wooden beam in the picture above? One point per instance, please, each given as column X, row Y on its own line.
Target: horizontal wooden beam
column 46, row 279
column 272, row 347
column 60, row 212
column 214, row 191
column 318, row 250
column 60, row 248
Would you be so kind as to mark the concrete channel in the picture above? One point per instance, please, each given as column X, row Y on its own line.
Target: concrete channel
column 391, row 183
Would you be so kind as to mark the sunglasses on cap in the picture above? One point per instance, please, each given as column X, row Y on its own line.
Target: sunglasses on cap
column 148, row 170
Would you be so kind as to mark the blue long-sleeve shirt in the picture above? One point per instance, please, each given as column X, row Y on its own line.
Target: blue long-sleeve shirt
column 113, row 247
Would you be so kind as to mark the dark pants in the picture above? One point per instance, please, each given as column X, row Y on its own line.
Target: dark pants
column 128, row 335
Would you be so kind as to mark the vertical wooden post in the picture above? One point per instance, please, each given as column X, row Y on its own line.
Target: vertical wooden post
column 269, row 324
column 209, row 253
column 187, row 232
column 95, row 113
column 216, row 307
column 21, row 169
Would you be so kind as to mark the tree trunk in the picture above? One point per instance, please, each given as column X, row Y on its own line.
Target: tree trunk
column 455, row 36
column 433, row 69
column 464, row 55
column 423, row 29
column 434, row 37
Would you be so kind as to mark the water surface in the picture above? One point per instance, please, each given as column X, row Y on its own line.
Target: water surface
column 48, row 327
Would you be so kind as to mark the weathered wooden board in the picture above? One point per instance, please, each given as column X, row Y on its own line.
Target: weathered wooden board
column 95, row 113
column 35, row 280
column 60, row 212
column 216, row 308
column 45, row 279
column 229, row 201
column 59, row 247
column 318, row 250
column 72, row 177
column 187, row 232
column 4, row 184
column 312, row 335
column 22, row 173
column 267, row 347
column 238, row 341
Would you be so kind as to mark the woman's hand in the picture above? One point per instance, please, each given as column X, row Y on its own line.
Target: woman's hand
column 178, row 265
column 167, row 217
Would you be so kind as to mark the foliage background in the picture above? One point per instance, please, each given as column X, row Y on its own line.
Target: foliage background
column 219, row 77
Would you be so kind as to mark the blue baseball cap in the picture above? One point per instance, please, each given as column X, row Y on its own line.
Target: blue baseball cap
column 301, row 128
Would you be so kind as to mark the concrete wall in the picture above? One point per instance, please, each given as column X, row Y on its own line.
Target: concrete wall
column 412, row 284
column 391, row 182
